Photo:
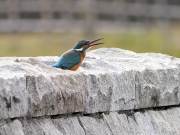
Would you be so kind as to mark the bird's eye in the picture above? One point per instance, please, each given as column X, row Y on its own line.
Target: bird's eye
column 87, row 42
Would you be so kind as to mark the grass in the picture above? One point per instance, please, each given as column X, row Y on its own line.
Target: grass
column 54, row 44
column 32, row 44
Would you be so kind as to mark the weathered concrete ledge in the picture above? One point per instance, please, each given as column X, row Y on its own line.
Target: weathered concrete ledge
column 109, row 80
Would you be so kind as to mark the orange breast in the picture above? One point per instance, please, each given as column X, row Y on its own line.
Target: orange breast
column 75, row 67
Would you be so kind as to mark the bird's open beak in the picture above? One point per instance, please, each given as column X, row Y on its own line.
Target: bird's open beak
column 92, row 43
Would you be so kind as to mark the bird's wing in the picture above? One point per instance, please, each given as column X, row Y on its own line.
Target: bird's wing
column 69, row 59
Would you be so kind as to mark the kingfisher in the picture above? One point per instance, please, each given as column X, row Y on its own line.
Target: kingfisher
column 73, row 58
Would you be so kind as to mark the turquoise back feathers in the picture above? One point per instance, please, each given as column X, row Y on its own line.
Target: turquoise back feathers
column 72, row 59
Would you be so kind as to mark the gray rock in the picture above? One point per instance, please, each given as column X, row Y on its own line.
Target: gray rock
column 108, row 80
column 94, row 126
column 12, row 128
column 30, row 88
column 122, row 80
column 42, row 126
column 13, row 93
column 172, row 120
column 134, row 127
column 172, row 116
column 117, row 123
column 159, row 122
column 144, row 123
column 69, row 126
column 160, row 125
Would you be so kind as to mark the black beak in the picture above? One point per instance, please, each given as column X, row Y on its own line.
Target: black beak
column 92, row 43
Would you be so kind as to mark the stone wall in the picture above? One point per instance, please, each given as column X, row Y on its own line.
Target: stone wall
column 114, row 92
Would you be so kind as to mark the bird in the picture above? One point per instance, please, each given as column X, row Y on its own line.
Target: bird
column 73, row 58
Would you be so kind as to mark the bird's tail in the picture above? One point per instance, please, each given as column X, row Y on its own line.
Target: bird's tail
column 56, row 66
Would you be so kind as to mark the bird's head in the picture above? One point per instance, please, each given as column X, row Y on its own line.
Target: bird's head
column 84, row 45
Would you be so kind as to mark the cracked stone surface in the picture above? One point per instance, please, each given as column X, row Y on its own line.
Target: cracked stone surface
column 127, row 80
column 149, row 122
column 108, row 80
column 105, row 90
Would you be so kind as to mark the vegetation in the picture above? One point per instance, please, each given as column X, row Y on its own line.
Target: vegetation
column 54, row 44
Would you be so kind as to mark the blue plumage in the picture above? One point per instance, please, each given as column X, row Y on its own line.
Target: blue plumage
column 68, row 59
column 73, row 58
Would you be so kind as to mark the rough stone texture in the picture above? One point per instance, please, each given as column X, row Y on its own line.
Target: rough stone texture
column 122, row 80
column 150, row 122
column 40, row 127
column 94, row 126
column 118, row 124
column 32, row 94
column 108, row 80
column 12, row 128
column 30, row 88
column 69, row 126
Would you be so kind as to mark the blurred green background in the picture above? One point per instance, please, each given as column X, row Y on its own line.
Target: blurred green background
column 137, row 32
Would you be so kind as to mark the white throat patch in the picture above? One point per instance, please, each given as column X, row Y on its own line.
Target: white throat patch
column 79, row 49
